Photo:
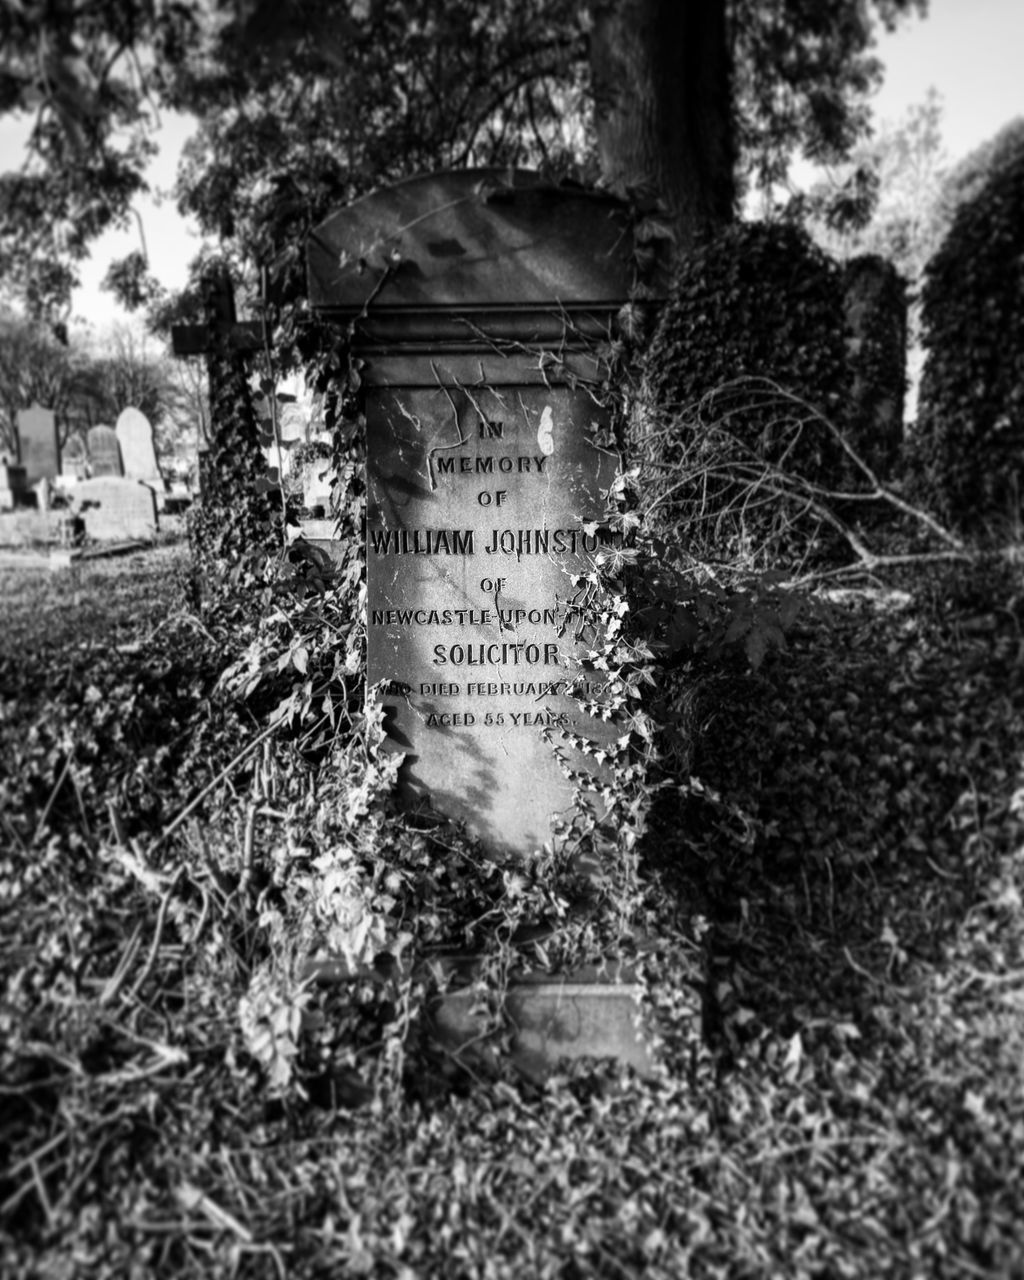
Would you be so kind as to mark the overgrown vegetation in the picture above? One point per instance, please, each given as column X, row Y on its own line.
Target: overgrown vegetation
column 966, row 453
column 712, row 334
column 195, row 807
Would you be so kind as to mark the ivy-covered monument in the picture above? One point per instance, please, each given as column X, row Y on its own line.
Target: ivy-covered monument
column 481, row 306
column 966, row 457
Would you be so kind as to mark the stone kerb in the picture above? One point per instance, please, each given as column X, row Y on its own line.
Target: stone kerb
column 479, row 301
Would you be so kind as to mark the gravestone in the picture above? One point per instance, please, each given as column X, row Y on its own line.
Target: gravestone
column 479, row 304
column 316, row 484
column 116, row 509
column 481, row 362
column 291, row 431
column 138, row 453
column 104, row 452
column 75, row 458
column 38, row 447
column 12, row 486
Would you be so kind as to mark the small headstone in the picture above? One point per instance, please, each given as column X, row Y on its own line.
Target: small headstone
column 294, row 423
column 104, row 452
column 204, row 477
column 316, row 484
column 116, row 509
column 138, row 453
column 38, row 448
column 178, row 498
column 74, row 462
column 292, row 430
column 12, row 486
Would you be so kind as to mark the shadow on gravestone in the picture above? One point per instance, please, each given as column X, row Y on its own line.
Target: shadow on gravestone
column 38, row 447
column 115, row 509
column 104, row 451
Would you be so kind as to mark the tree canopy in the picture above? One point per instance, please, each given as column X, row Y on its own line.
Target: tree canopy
column 305, row 104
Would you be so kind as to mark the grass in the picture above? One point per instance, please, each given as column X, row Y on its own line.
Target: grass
column 854, row 1106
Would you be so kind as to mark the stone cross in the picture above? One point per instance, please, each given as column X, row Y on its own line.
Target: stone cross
column 225, row 343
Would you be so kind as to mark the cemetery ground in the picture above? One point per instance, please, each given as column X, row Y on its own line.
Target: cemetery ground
column 848, row 917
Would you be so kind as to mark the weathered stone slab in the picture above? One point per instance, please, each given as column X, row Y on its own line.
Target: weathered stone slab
column 105, row 452
column 116, row 509
column 554, row 1020
column 38, row 446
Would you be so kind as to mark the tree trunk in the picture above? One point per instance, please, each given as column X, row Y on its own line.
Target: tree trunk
column 663, row 112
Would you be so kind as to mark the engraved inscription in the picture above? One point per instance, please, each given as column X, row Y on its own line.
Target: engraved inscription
column 466, row 612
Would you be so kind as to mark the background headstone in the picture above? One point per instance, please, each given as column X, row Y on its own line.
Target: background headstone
column 74, row 462
column 292, row 430
column 38, row 447
column 105, row 452
column 115, row 509
column 138, row 452
column 12, row 486
column 317, row 476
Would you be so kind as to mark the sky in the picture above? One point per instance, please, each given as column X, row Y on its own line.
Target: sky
column 969, row 50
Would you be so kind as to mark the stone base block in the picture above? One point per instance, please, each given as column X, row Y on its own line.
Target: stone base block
column 555, row 1020
column 592, row 1012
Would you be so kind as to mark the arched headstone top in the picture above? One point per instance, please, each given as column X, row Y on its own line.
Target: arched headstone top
column 138, row 451
column 473, row 238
